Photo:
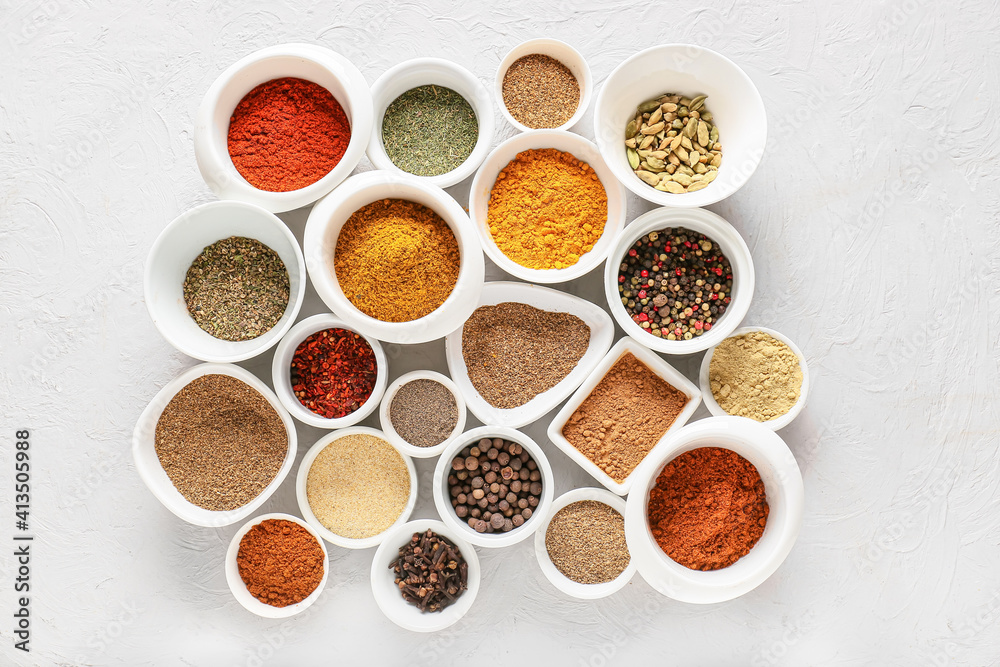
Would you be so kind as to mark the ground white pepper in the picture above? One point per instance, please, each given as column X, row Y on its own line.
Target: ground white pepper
column 423, row 412
column 755, row 375
column 586, row 542
column 358, row 486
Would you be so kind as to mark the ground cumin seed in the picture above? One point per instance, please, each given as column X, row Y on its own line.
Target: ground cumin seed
column 513, row 352
column 358, row 486
column 540, row 92
column 220, row 442
column 586, row 542
column 624, row 417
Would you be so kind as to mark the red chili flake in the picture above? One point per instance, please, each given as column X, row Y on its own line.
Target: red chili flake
column 333, row 372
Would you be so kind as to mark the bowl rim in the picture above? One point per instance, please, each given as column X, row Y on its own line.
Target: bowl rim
column 391, row 607
column 698, row 220
column 552, row 573
column 479, row 195
column 302, row 498
column 281, row 372
column 216, row 166
column 525, row 48
column 238, row 587
column 143, row 436
column 658, row 366
column 386, row 421
column 436, row 324
column 681, row 583
column 778, row 422
column 480, row 102
column 713, row 195
column 294, row 300
column 447, row 513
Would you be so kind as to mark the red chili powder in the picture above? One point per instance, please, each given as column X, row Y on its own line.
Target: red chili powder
column 708, row 508
column 286, row 134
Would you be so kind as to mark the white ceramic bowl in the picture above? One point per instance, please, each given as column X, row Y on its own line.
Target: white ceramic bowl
column 602, row 332
column 386, row 592
column 687, row 70
column 396, row 439
column 303, row 499
column 281, row 372
column 560, row 51
column 328, row 218
column 147, row 464
column 782, row 484
column 304, row 61
column 583, row 150
column 733, row 247
column 180, row 243
column 432, row 71
column 239, row 587
column 778, row 422
column 658, row 366
column 561, row 581
column 442, row 497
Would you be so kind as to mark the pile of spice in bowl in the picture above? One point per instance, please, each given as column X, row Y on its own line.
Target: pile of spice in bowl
column 286, row 134
column 673, row 145
column 513, row 351
column 707, row 508
column 429, row 130
column 675, row 283
column 280, row 562
column 236, row 289
column 430, row 571
column 585, row 540
column 539, row 91
column 423, row 412
column 546, row 209
column 355, row 485
column 333, row 372
column 396, row 260
column 221, row 442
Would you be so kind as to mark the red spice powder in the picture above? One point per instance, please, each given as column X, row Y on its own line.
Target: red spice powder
column 280, row 562
column 333, row 372
column 708, row 508
column 286, row 134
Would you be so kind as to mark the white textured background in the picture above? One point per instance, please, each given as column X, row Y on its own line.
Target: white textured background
column 873, row 221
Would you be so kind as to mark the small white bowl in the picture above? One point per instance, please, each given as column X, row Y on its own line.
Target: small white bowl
column 778, row 422
column 439, row 72
column 785, row 497
column 332, row 212
column 147, row 464
column 602, row 332
column 304, row 61
column 658, row 366
column 281, row 372
column 560, row 51
column 733, row 247
column 180, row 243
column 561, row 581
column 442, row 497
column 303, row 499
column 687, row 70
column 386, row 592
column 390, row 431
column 583, row 150
column 239, row 587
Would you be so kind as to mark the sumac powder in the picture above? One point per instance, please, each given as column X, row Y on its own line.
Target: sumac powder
column 280, row 562
column 708, row 508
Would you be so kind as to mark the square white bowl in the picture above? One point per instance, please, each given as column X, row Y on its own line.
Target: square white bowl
column 655, row 364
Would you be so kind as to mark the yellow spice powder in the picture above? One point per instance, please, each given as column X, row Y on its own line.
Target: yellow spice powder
column 755, row 375
column 547, row 209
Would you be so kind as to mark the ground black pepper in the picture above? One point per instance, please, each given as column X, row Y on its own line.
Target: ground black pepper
column 423, row 412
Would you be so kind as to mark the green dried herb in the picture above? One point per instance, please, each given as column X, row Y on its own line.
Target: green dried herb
column 237, row 289
column 429, row 130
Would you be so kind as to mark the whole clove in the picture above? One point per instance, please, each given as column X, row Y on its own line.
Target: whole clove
column 431, row 572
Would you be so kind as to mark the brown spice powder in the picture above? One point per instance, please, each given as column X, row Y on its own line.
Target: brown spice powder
column 624, row 417
column 586, row 542
column 220, row 442
column 539, row 91
column 280, row 562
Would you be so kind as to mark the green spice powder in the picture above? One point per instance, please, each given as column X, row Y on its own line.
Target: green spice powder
column 429, row 130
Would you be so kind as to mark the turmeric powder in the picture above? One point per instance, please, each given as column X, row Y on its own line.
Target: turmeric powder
column 547, row 209
column 396, row 260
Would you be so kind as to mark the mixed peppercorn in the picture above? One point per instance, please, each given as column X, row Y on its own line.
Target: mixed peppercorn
column 675, row 283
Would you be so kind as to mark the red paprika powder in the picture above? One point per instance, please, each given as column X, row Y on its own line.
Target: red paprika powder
column 280, row 562
column 286, row 134
column 333, row 372
column 707, row 508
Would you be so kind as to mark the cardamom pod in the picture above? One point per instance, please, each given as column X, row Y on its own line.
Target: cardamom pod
column 655, row 116
column 681, row 153
column 673, row 159
column 677, row 124
column 685, row 101
column 702, row 132
column 652, row 129
column 707, row 116
column 630, row 142
column 648, row 106
column 716, row 160
column 643, row 153
column 671, row 186
column 699, row 168
column 697, row 102
column 648, row 177
column 693, row 158
column 699, row 185
column 659, row 155
column 633, row 158
column 669, row 106
column 686, row 143
column 655, row 164
column 683, row 179
column 631, row 129
column 709, row 176
column 646, row 142
column 684, row 169
column 682, row 112
column 713, row 136
column 691, row 128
